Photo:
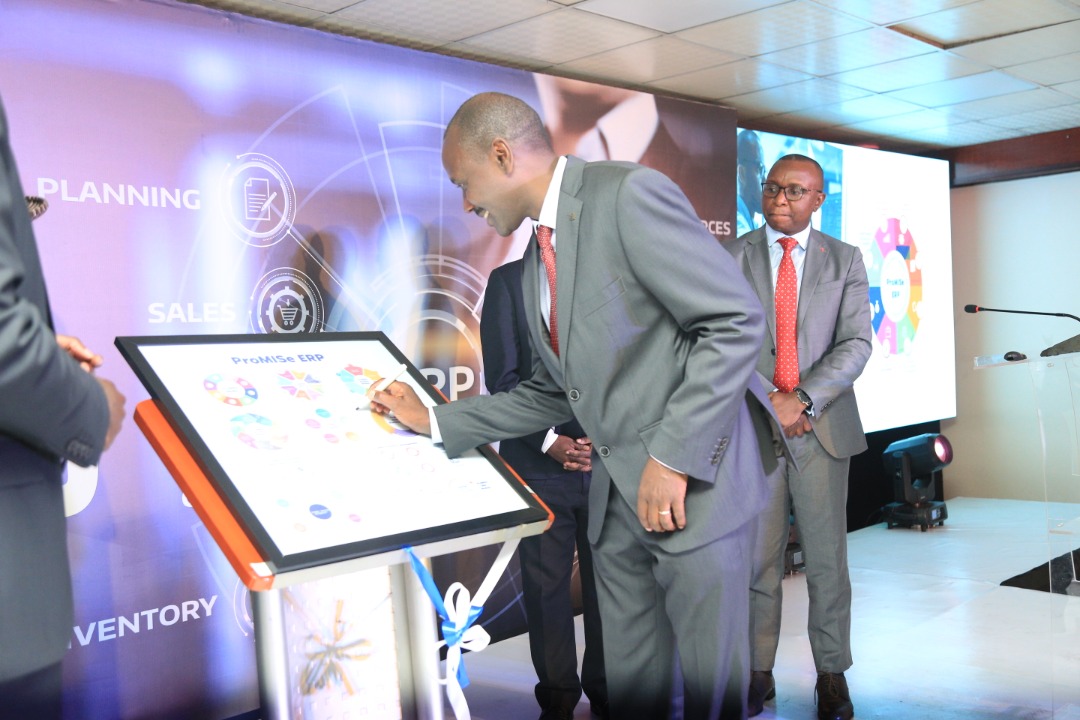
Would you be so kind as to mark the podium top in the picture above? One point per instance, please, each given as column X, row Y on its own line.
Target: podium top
column 279, row 427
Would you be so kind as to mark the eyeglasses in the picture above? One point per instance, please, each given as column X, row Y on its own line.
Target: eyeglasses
column 791, row 192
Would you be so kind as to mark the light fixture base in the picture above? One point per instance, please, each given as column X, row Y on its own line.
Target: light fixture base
column 925, row 515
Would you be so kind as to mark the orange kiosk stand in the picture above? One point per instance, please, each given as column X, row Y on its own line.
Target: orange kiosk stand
column 408, row 684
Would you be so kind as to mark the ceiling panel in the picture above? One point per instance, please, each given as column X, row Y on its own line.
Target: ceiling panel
column 737, row 78
column 1050, row 71
column 653, row 59
column 559, row 37
column 815, row 92
column 971, row 87
column 887, row 13
column 1025, row 47
column 919, row 70
column 855, row 50
column 1010, row 104
column 989, row 19
column 828, row 66
column 439, row 22
column 774, row 28
column 671, row 17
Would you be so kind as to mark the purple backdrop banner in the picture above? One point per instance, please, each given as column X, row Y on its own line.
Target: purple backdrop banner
column 209, row 173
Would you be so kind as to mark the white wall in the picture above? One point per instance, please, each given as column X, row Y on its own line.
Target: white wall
column 1016, row 245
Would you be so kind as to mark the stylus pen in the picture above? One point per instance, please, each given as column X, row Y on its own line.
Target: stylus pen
column 388, row 380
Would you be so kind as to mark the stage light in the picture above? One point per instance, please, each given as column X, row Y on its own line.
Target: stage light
column 912, row 465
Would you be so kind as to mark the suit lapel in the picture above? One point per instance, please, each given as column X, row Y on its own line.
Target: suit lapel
column 813, row 264
column 566, row 252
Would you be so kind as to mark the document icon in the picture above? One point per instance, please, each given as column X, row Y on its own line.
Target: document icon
column 257, row 199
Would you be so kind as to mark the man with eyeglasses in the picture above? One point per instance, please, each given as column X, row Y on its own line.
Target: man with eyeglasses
column 815, row 293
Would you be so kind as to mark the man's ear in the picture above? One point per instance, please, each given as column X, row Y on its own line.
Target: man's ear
column 503, row 154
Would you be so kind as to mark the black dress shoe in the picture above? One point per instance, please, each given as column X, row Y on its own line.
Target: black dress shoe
column 762, row 688
column 557, row 714
column 833, row 701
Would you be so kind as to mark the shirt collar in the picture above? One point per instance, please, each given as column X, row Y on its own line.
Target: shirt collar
column 773, row 236
column 629, row 127
column 549, row 211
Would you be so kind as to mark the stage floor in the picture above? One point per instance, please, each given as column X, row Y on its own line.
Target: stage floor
column 934, row 634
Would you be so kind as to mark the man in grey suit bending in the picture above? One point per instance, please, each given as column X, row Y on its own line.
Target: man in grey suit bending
column 52, row 409
column 815, row 402
column 651, row 345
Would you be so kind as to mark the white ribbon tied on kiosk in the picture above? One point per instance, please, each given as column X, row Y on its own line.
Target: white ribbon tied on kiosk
column 458, row 612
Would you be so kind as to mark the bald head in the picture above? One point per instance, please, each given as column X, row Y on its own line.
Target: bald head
column 487, row 116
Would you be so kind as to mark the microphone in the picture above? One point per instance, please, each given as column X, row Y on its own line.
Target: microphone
column 1065, row 346
column 978, row 309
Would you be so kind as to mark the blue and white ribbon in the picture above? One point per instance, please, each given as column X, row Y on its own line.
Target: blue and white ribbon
column 458, row 613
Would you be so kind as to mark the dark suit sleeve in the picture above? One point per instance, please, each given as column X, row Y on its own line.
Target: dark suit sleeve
column 49, row 402
column 504, row 339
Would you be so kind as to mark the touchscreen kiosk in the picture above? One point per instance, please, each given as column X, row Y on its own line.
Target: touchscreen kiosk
column 281, row 428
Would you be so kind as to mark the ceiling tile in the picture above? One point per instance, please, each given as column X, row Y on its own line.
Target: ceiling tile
column 887, row 13
column 900, row 123
column 856, row 50
column 673, row 16
column 325, row 6
column 650, row 60
column 959, row 135
column 774, row 28
column 999, row 105
column 1050, row 71
column 971, row 87
column 1072, row 88
column 270, row 10
column 1025, row 47
column 1040, row 121
column 737, row 78
column 861, row 109
column 988, row 19
column 438, row 22
column 814, row 92
column 918, row 70
column 558, row 37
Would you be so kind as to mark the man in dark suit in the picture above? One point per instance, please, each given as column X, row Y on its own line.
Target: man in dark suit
column 557, row 466
column 830, row 347
column 650, row 344
column 53, row 409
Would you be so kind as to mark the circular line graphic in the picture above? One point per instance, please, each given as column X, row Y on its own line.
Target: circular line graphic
column 260, row 201
column 286, row 301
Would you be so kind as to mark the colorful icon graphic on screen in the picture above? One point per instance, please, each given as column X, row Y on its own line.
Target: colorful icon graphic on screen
column 300, row 384
column 231, row 391
column 258, row 432
column 332, row 428
column 357, row 379
column 896, row 287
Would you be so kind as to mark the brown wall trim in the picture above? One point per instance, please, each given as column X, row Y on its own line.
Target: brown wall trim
column 1032, row 156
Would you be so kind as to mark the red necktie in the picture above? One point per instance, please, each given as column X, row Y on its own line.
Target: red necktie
column 547, row 254
column 786, row 375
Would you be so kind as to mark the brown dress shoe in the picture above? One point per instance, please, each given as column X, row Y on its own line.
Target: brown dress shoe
column 762, row 688
column 833, row 701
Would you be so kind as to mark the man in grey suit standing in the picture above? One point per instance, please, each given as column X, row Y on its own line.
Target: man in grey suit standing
column 650, row 342
column 815, row 402
column 53, row 409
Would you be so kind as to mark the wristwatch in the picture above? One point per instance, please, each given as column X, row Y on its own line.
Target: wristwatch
column 808, row 404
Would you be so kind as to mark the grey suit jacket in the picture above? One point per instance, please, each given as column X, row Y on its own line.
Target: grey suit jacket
column 659, row 335
column 833, row 327
column 49, row 409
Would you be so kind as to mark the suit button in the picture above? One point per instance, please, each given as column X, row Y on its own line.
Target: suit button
column 574, row 395
column 603, row 451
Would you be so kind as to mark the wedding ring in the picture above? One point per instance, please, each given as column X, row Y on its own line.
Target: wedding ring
column 665, row 512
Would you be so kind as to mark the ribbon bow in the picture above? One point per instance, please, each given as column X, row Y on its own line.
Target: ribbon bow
column 458, row 613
